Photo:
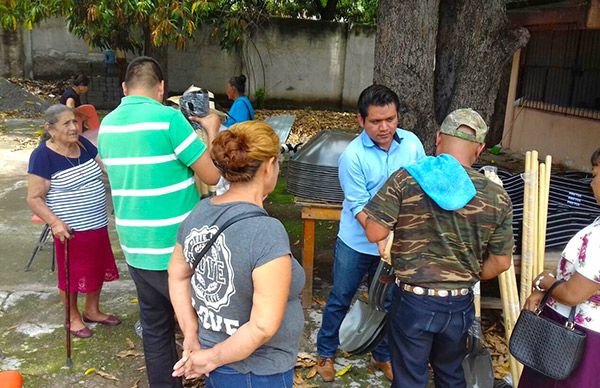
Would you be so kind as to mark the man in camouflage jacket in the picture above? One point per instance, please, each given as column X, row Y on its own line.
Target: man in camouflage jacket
column 376, row 153
column 452, row 227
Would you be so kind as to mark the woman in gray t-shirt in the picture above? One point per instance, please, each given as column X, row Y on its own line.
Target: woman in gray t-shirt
column 239, row 310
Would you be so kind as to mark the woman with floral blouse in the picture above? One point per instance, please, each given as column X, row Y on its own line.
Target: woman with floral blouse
column 579, row 266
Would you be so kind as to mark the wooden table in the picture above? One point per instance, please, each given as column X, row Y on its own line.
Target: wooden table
column 312, row 211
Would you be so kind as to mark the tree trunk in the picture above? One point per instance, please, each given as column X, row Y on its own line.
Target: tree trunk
column 405, row 61
column 443, row 55
column 496, row 123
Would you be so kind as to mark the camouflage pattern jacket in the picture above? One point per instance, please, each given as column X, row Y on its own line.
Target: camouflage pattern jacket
column 437, row 248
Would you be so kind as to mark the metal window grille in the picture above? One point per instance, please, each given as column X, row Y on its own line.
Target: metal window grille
column 560, row 72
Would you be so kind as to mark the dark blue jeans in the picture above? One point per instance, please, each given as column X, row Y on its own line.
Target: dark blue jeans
column 349, row 267
column 226, row 377
column 429, row 329
column 158, row 326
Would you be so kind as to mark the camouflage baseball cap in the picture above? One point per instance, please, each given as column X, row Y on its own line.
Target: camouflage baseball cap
column 467, row 117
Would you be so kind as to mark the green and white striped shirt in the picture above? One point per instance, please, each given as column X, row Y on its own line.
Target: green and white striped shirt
column 147, row 149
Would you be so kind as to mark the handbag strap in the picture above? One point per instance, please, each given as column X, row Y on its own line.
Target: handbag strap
column 226, row 225
column 571, row 319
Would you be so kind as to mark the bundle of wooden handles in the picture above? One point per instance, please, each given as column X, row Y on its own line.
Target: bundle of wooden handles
column 535, row 216
column 509, row 295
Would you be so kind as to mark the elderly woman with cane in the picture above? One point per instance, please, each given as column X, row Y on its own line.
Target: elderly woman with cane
column 66, row 191
column 579, row 268
column 238, row 300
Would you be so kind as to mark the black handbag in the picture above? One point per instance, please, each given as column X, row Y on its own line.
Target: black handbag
column 546, row 346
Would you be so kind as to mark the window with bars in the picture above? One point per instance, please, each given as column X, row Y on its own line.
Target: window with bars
column 560, row 72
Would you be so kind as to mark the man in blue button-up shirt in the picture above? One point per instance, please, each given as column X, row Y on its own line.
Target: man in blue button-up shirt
column 368, row 161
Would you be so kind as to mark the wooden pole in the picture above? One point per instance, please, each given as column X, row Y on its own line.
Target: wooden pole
column 542, row 207
column 509, row 295
column 543, row 216
column 525, row 232
column 533, row 209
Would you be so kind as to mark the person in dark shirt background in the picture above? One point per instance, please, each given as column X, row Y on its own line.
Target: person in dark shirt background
column 86, row 113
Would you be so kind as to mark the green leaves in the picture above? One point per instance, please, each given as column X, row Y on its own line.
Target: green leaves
column 132, row 24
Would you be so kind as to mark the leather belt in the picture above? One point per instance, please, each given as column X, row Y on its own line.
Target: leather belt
column 417, row 290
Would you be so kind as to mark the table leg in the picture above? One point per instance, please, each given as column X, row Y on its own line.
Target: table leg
column 308, row 256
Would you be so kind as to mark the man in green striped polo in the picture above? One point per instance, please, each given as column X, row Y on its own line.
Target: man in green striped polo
column 150, row 153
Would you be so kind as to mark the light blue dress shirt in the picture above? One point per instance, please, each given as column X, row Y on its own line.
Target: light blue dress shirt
column 363, row 168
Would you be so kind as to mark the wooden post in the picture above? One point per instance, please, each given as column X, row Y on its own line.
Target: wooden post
column 534, row 194
column 308, row 256
column 509, row 296
column 509, row 116
column 525, row 232
column 543, row 210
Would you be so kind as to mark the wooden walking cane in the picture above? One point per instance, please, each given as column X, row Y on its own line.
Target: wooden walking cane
column 68, row 302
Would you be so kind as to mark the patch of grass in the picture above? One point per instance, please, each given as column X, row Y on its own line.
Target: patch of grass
column 294, row 229
column 279, row 195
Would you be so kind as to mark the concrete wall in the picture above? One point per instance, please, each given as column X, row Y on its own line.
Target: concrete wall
column 203, row 64
column 360, row 60
column 295, row 61
column 58, row 54
column 569, row 139
column 302, row 61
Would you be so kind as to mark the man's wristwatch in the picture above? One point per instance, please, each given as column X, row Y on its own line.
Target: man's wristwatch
column 538, row 282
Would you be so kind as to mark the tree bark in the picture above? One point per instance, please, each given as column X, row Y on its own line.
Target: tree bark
column 405, row 47
column 443, row 55
column 496, row 123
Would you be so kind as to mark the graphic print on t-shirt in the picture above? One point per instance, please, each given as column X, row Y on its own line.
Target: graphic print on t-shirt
column 213, row 280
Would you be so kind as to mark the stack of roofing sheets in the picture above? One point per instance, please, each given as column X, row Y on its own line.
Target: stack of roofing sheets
column 313, row 171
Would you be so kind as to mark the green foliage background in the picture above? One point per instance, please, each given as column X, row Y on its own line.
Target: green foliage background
column 134, row 25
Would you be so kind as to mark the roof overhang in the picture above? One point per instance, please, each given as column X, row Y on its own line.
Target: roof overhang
column 581, row 13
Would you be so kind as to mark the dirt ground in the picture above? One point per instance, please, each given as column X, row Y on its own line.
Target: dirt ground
column 32, row 338
column 31, row 333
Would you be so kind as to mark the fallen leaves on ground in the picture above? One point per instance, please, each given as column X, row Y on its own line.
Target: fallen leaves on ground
column 130, row 353
column 305, row 360
column 310, row 122
column 305, row 369
column 105, row 375
column 49, row 90
column 24, row 143
column 494, row 338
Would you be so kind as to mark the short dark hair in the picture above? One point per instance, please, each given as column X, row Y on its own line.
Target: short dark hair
column 377, row 95
column 81, row 80
column 239, row 83
column 595, row 159
column 143, row 72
